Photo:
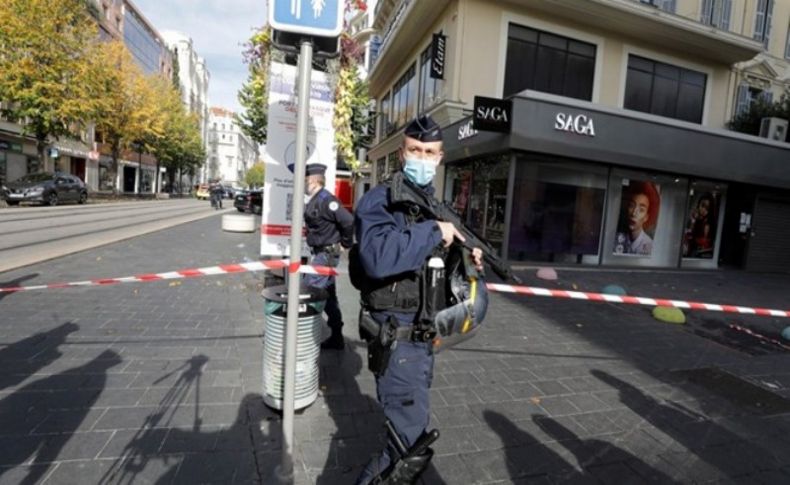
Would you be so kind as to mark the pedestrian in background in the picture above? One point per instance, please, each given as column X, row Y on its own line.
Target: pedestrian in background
column 329, row 227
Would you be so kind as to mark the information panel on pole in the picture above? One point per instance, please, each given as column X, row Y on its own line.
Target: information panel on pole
column 310, row 17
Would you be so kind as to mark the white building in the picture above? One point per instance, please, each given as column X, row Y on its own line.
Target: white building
column 231, row 153
column 194, row 79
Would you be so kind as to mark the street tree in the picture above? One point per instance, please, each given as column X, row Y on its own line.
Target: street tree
column 128, row 115
column 255, row 175
column 48, row 68
column 253, row 95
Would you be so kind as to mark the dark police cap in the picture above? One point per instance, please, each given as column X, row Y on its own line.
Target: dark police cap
column 315, row 169
column 424, row 129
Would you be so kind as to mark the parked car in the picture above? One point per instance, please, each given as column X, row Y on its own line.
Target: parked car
column 249, row 201
column 230, row 192
column 46, row 188
column 203, row 192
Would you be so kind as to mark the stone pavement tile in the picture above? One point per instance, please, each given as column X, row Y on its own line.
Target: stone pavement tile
column 436, row 397
column 453, row 416
column 316, row 456
column 587, row 403
column 459, row 379
column 583, row 384
column 520, row 375
column 511, row 410
column 130, row 418
column 615, row 474
column 694, row 469
column 126, row 443
column 69, row 420
column 557, row 406
column 119, row 397
column 445, row 469
column 17, row 475
column 523, row 390
column 491, row 377
column 485, row 466
column 458, row 395
column 186, row 440
column 217, row 467
column 220, row 414
column 551, row 388
column 595, row 424
column 453, row 441
column 77, row 446
column 491, row 393
column 543, row 459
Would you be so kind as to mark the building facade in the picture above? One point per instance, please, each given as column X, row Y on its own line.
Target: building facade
column 615, row 151
column 193, row 77
column 231, row 152
column 84, row 156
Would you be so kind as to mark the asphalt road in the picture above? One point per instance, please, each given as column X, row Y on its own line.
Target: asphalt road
column 30, row 235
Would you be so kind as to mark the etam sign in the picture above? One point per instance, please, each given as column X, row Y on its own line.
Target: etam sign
column 578, row 124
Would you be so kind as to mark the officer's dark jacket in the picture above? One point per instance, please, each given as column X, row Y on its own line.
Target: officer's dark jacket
column 392, row 249
column 327, row 221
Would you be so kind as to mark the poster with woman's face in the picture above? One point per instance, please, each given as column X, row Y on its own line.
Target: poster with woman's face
column 699, row 238
column 636, row 227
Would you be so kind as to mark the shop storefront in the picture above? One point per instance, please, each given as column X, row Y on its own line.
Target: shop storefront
column 16, row 159
column 577, row 183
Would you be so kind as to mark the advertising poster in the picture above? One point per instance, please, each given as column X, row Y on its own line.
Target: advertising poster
column 281, row 151
column 699, row 238
column 640, row 203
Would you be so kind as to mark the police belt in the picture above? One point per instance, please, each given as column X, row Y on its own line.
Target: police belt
column 411, row 334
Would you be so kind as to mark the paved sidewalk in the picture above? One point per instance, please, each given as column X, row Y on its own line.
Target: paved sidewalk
column 161, row 382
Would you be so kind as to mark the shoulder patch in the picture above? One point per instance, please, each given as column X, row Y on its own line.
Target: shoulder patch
column 333, row 206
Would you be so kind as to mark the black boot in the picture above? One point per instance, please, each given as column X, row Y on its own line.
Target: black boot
column 409, row 469
column 334, row 342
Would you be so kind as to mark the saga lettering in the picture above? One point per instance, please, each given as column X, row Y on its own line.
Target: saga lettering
column 578, row 124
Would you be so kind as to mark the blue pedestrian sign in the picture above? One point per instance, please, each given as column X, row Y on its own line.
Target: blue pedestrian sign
column 322, row 18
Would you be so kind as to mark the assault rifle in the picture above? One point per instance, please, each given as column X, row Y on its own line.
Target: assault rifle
column 404, row 190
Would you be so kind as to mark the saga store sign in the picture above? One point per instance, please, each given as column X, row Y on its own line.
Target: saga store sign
column 577, row 124
column 492, row 114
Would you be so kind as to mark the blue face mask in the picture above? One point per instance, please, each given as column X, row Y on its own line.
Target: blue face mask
column 419, row 172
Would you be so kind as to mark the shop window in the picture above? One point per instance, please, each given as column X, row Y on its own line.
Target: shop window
column 549, row 63
column 664, row 90
column 700, row 237
column 716, row 13
column 381, row 169
column 762, row 21
column 393, row 162
column 3, row 163
column 557, row 212
column 478, row 191
column 429, row 87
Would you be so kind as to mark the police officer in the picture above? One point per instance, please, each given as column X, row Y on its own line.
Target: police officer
column 395, row 245
column 329, row 225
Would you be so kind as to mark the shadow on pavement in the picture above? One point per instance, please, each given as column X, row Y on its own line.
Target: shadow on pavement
column 14, row 283
column 527, row 457
column 162, row 452
column 25, row 357
column 33, row 421
column 357, row 417
column 601, row 459
column 732, row 455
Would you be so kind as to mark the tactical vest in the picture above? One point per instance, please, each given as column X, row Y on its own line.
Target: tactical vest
column 401, row 292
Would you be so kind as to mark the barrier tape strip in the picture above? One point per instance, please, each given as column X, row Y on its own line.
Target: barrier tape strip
column 295, row 267
column 636, row 300
column 252, row 266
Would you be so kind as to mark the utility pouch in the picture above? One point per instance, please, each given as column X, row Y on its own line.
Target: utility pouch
column 380, row 347
column 369, row 328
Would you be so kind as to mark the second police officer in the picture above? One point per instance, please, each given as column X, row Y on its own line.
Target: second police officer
column 394, row 248
column 329, row 226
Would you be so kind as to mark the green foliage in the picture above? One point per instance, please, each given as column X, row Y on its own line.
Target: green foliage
column 253, row 95
column 48, row 69
column 749, row 121
column 255, row 175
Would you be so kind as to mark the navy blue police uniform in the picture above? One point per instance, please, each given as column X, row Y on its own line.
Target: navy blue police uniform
column 329, row 224
column 393, row 244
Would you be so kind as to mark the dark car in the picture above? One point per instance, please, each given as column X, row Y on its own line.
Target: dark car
column 230, row 192
column 249, row 201
column 46, row 188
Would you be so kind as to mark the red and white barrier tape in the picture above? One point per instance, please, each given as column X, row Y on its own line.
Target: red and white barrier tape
column 252, row 266
column 635, row 300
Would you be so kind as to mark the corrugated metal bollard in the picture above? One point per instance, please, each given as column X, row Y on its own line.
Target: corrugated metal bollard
column 308, row 344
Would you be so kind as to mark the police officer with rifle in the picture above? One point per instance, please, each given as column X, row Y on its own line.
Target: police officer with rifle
column 419, row 272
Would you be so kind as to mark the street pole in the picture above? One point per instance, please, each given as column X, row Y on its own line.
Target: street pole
column 289, row 386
